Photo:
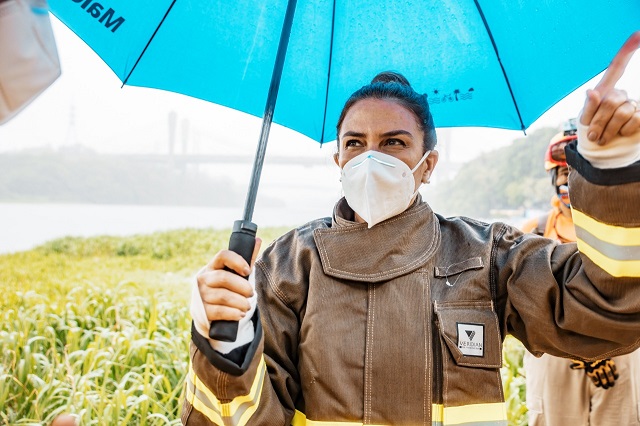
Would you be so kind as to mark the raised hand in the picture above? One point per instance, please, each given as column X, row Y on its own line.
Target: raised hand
column 608, row 111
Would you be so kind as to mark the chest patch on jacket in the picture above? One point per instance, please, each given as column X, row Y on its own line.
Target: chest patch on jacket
column 471, row 338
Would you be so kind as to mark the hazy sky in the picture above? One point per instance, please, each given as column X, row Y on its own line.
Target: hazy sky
column 87, row 105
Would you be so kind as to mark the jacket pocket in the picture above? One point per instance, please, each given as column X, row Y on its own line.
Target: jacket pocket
column 471, row 352
column 470, row 332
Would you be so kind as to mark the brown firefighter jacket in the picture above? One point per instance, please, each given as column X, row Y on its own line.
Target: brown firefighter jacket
column 403, row 323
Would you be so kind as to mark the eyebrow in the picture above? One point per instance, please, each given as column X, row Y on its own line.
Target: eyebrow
column 386, row 134
column 352, row 133
column 396, row 133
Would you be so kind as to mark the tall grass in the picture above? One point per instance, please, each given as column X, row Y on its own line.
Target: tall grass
column 99, row 327
column 513, row 382
column 110, row 355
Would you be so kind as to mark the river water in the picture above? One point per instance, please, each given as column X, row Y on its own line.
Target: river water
column 24, row 226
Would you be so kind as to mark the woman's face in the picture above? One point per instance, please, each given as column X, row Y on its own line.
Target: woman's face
column 388, row 127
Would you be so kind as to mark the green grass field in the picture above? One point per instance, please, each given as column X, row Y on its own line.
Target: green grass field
column 99, row 327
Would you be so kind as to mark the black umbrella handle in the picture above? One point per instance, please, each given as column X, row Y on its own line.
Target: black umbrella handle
column 242, row 241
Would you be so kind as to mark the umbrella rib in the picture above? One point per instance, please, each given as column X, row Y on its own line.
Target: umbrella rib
column 149, row 42
column 326, row 96
column 504, row 73
column 269, row 109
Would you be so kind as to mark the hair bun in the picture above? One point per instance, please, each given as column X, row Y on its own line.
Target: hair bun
column 391, row 77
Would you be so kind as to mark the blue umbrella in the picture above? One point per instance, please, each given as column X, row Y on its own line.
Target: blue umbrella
column 493, row 63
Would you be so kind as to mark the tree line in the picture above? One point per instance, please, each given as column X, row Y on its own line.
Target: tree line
column 509, row 178
column 82, row 176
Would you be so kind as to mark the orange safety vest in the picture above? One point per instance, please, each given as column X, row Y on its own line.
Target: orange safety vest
column 554, row 224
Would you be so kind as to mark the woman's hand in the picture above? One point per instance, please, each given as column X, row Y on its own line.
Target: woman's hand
column 607, row 111
column 225, row 294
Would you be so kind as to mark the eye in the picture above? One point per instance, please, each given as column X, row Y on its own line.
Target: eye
column 395, row 142
column 352, row 143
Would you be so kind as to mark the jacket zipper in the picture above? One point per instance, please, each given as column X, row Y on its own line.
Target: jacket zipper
column 436, row 357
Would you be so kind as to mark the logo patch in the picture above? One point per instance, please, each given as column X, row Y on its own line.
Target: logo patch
column 471, row 339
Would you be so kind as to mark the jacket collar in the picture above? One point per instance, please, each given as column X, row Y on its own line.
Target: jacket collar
column 392, row 248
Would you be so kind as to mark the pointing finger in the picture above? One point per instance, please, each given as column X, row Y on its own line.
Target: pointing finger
column 618, row 64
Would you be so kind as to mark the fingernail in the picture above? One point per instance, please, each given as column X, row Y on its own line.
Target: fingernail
column 246, row 271
column 243, row 314
column 592, row 136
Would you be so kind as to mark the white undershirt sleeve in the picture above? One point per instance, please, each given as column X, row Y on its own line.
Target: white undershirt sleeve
column 245, row 325
column 619, row 152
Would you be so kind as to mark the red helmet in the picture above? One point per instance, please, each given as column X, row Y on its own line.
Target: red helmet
column 554, row 155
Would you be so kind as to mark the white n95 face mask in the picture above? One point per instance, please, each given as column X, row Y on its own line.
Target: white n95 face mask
column 378, row 186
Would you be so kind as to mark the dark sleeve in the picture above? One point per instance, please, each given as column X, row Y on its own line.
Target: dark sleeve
column 256, row 384
column 579, row 299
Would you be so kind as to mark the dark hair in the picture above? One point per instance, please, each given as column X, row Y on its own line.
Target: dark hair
column 393, row 85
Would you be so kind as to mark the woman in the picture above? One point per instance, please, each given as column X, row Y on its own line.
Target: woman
column 387, row 313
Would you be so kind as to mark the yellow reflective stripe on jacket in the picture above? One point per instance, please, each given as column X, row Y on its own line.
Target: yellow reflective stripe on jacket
column 615, row 249
column 613, row 234
column 485, row 414
column 237, row 412
column 299, row 419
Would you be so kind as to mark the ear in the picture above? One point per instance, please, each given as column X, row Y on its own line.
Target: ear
column 430, row 161
column 336, row 155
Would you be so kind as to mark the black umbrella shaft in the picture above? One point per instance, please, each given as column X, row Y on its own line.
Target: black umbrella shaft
column 268, row 111
column 242, row 239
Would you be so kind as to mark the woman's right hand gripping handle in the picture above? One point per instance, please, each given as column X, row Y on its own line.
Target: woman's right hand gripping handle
column 221, row 295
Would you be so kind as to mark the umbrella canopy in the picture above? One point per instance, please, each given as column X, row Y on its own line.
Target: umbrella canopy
column 493, row 63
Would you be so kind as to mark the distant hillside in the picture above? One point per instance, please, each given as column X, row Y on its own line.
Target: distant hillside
column 508, row 178
column 82, row 176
